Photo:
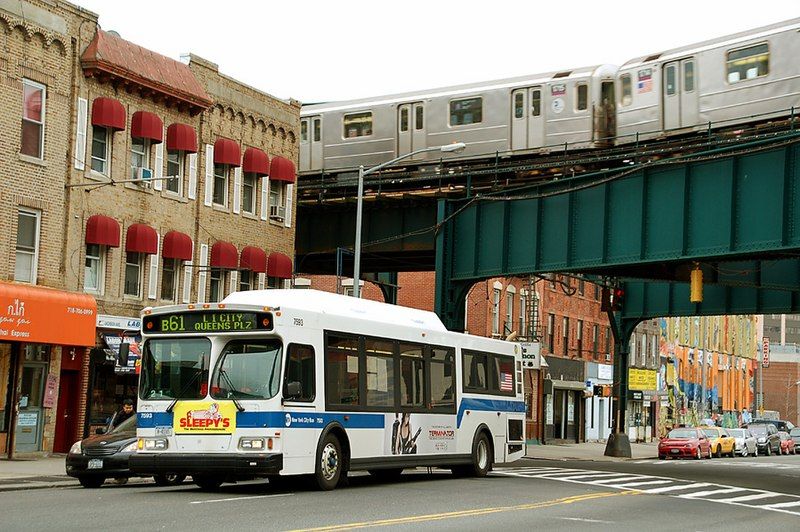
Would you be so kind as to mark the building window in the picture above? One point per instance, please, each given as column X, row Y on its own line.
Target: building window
column 582, row 99
column 175, row 170
column 581, row 286
column 594, row 340
column 643, row 351
column 608, row 340
column 632, row 351
column 552, row 277
column 277, row 208
column 33, row 113
column 217, row 291
column 580, row 337
column 140, row 156
column 133, row 274
column 565, row 336
column 101, row 150
column 220, row 196
column 551, row 323
column 748, row 63
column 94, row 269
column 626, row 94
column 27, row 257
column 466, row 111
column 357, row 125
column 509, row 312
column 249, row 193
column 245, row 280
column 496, row 311
column 169, row 279
column 596, row 292
column 523, row 310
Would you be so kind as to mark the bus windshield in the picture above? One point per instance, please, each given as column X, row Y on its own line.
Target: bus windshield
column 248, row 369
column 175, row 368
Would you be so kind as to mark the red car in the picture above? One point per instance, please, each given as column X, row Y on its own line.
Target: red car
column 684, row 442
column 787, row 443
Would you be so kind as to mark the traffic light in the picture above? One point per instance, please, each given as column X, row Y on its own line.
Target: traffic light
column 605, row 299
column 618, row 300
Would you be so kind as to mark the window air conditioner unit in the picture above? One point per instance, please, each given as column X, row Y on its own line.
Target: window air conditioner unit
column 144, row 175
column 608, row 357
column 277, row 212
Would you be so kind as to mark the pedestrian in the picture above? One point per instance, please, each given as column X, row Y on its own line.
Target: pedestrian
column 126, row 412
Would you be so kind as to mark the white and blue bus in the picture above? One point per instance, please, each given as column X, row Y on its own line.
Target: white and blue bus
column 300, row 382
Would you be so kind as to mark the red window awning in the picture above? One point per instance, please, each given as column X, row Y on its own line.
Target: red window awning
column 255, row 161
column 108, row 112
column 224, row 255
column 145, row 125
column 254, row 259
column 181, row 137
column 282, row 169
column 226, row 151
column 102, row 230
column 279, row 265
column 141, row 238
column 177, row 245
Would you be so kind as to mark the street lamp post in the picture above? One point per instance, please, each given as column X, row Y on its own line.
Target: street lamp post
column 456, row 147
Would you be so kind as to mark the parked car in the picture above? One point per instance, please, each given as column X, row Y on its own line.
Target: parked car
column 795, row 434
column 721, row 442
column 766, row 437
column 780, row 424
column 787, row 443
column 745, row 442
column 684, row 442
column 105, row 455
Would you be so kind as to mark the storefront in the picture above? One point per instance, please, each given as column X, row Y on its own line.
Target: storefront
column 642, row 404
column 600, row 378
column 110, row 384
column 44, row 334
column 563, row 390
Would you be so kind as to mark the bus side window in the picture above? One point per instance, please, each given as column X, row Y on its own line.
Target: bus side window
column 300, row 368
column 412, row 375
column 442, row 378
column 341, row 370
column 475, row 370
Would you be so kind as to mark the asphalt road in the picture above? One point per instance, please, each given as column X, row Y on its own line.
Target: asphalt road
column 720, row 494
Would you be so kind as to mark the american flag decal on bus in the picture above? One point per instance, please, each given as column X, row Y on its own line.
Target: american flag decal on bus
column 506, row 382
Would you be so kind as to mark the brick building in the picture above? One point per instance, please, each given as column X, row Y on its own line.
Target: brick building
column 159, row 181
column 781, row 382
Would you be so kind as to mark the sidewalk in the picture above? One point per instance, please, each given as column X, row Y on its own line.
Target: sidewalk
column 34, row 473
column 589, row 451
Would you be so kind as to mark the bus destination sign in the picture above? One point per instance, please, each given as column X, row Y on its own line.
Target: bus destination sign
column 207, row 322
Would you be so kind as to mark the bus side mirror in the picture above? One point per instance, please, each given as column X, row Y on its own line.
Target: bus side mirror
column 293, row 390
column 124, row 349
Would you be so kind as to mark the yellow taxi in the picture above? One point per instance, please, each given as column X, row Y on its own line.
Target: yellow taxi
column 722, row 443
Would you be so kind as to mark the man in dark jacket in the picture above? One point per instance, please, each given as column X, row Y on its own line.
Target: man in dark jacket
column 126, row 412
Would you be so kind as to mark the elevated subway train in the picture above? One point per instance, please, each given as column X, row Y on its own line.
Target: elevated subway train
column 724, row 81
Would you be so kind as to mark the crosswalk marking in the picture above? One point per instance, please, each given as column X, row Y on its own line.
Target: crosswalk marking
column 621, row 480
column 700, row 494
column 645, row 483
column 656, row 491
column 753, row 497
column 784, row 504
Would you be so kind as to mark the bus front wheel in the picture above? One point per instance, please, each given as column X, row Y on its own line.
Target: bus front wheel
column 329, row 463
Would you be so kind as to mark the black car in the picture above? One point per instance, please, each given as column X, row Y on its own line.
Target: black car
column 767, row 438
column 105, row 455
column 780, row 424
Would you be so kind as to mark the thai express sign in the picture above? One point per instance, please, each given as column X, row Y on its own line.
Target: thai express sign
column 642, row 379
column 204, row 417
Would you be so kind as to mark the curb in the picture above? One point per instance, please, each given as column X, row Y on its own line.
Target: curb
column 24, row 485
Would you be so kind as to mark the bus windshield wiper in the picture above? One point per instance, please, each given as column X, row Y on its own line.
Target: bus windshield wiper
column 187, row 385
column 231, row 391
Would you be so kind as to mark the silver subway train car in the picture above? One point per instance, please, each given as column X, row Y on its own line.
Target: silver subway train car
column 753, row 75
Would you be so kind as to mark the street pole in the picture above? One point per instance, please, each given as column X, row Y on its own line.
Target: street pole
column 357, row 247
column 760, row 398
column 702, row 354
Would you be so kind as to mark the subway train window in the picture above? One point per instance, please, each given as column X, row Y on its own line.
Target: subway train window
column 688, row 76
column 304, row 131
column 626, row 93
column 582, row 101
column 518, row 105
column 419, row 117
column 536, row 102
column 748, row 63
column 466, row 111
column 670, row 80
column 404, row 119
column 357, row 125
column 317, row 129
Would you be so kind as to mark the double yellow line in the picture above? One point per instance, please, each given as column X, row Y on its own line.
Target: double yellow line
column 471, row 513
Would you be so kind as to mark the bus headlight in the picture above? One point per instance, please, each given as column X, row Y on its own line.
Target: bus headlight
column 153, row 444
column 251, row 444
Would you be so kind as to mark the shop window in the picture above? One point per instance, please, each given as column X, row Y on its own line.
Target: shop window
column 94, row 269
column 220, row 194
column 245, row 280
column 101, row 150
column 140, row 156
column 249, row 181
column 175, row 165
column 133, row 274
column 466, row 111
column 169, row 279
column 33, row 114
column 5, row 389
column 748, row 63
column 27, row 253
column 357, row 125
column 300, row 367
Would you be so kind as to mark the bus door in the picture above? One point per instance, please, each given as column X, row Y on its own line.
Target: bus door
column 311, row 143
column 300, row 402
column 527, row 121
column 411, row 127
column 679, row 94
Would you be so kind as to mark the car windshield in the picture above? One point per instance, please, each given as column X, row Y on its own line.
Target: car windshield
column 795, row 432
column 710, row 433
column 682, row 434
column 759, row 430
column 129, row 425
column 174, row 368
column 248, row 369
column 736, row 433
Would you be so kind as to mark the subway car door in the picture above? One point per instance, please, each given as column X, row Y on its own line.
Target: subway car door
column 419, row 135
column 519, row 120
column 403, row 129
column 411, row 128
column 535, row 118
column 670, row 96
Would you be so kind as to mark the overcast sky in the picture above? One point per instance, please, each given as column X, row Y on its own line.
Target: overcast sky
column 316, row 50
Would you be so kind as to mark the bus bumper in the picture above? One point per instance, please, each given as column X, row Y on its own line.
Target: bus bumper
column 231, row 465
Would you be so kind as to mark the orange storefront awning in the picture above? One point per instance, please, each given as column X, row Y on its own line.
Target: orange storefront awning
column 46, row 316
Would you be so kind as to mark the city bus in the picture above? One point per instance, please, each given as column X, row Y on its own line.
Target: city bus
column 272, row 383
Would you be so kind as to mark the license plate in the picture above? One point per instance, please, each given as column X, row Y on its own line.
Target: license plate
column 163, row 431
column 95, row 463
column 674, row 451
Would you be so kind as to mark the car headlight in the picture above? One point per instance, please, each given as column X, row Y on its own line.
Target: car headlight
column 130, row 448
column 762, row 440
column 76, row 448
column 251, row 444
column 152, row 444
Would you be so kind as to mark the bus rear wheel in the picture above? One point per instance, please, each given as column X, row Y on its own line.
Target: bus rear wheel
column 481, row 458
column 207, row 482
column 329, row 463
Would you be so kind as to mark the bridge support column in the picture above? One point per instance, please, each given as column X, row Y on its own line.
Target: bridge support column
column 450, row 295
column 618, row 443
